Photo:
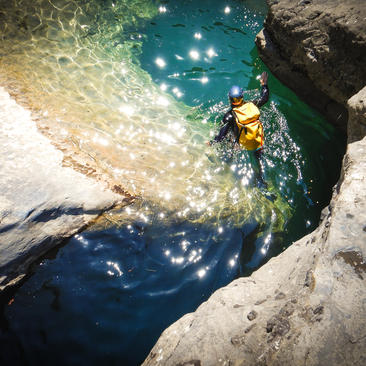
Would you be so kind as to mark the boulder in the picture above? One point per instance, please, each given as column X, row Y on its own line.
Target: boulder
column 41, row 202
column 318, row 49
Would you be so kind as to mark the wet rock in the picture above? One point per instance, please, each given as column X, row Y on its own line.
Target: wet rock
column 318, row 49
column 41, row 202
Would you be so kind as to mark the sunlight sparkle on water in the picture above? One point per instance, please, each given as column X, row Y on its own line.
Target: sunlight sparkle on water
column 244, row 181
column 211, row 52
column 201, row 273
column 227, row 10
column 177, row 92
column 162, row 9
column 143, row 217
column 163, row 86
column 178, row 260
column 160, row 62
column 267, row 241
column 116, row 267
column 198, row 35
column 100, row 140
column 82, row 240
column 194, row 55
column 127, row 110
column 204, row 80
column 231, row 262
column 163, row 101
column 184, row 244
column 192, row 256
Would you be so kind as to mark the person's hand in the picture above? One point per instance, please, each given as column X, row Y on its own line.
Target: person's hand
column 264, row 78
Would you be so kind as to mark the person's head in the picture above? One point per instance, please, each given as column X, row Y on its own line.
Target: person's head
column 236, row 95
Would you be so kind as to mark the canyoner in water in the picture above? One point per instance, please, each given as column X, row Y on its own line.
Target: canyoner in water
column 243, row 121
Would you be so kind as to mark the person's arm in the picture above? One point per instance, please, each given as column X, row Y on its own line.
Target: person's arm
column 227, row 120
column 264, row 92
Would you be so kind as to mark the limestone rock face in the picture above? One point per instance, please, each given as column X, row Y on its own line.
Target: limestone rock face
column 317, row 48
column 357, row 116
column 304, row 307
column 41, row 202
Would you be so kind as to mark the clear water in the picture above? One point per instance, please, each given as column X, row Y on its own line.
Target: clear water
column 131, row 90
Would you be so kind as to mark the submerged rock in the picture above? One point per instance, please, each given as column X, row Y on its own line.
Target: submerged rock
column 42, row 202
column 309, row 302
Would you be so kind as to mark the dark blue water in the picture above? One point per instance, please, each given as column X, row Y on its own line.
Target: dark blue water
column 107, row 294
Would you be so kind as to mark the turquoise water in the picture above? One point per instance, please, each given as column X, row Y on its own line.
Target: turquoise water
column 141, row 86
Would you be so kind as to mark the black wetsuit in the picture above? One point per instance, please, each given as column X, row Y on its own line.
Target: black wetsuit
column 229, row 119
column 230, row 124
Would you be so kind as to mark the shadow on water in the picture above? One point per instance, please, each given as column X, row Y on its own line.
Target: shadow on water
column 137, row 88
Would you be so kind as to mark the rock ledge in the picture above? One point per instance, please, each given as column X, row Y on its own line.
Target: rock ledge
column 41, row 202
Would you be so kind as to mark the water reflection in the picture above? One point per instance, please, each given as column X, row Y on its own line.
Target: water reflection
column 160, row 62
column 198, row 220
column 194, row 54
column 198, row 35
column 76, row 67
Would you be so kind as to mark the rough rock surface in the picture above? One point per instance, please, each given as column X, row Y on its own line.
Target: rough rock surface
column 41, row 202
column 317, row 48
column 357, row 116
column 307, row 306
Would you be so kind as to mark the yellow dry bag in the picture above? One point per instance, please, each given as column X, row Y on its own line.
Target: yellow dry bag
column 251, row 135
